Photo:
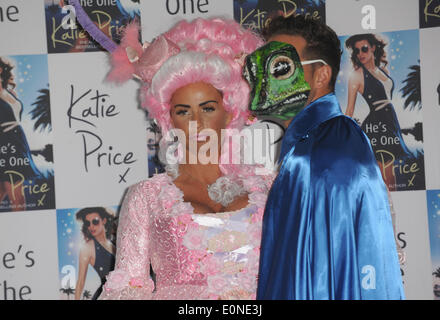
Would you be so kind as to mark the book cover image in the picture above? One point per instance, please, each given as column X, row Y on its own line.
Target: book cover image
column 26, row 152
column 64, row 34
column 86, row 250
column 429, row 13
column 153, row 138
column 254, row 14
column 379, row 86
column 433, row 199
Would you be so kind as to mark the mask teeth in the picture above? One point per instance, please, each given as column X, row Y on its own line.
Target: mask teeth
column 296, row 98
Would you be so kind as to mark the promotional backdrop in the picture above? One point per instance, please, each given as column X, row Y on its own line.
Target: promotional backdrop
column 69, row 140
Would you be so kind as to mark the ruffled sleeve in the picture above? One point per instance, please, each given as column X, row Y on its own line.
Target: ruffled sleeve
column 131, row 276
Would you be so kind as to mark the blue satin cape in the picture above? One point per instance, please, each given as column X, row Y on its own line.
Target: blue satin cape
column 327, row 229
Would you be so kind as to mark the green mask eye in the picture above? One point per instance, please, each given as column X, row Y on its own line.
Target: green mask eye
column 281, row 67
column 276, row 77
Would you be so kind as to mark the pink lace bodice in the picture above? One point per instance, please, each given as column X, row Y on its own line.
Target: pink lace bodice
column 194, row 256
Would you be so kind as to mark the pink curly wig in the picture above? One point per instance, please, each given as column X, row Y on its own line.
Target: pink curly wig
column 211, row 51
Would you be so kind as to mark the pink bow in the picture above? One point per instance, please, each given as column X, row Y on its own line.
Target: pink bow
column 153, row 56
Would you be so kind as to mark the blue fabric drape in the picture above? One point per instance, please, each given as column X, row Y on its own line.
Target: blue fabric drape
column 327, row 229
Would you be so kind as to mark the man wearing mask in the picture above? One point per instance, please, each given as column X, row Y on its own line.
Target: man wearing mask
column 327, row 229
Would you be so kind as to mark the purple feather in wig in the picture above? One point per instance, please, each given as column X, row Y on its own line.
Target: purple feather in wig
column 88, row 25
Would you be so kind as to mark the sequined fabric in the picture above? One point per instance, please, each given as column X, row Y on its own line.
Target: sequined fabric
column 194, row 256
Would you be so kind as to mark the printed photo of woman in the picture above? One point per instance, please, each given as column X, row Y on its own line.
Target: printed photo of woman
column 98, row 249
column 371, row 79
column 15, row 155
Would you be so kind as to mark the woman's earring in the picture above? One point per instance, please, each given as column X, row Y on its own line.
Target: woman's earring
column 174, row 136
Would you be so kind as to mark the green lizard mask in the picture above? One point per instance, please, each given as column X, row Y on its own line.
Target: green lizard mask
column 276, row 77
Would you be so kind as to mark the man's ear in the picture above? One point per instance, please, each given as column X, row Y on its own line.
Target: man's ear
column 323, row 76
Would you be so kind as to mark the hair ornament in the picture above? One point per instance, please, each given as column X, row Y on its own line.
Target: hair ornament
column 153, row 56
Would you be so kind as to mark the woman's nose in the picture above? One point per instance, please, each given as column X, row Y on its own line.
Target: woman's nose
column 197, row 118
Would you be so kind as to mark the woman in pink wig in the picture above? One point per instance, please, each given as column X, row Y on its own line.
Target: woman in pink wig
column 198, row 225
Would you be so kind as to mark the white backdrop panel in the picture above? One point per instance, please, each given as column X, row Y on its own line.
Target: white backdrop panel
column 346, row 16
column 412, row 226
column 430, row 83
column 159, row 15
column 97, row 148
column 29, row 256
column 22, row 27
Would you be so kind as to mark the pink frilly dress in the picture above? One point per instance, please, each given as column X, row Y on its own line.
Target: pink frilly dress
column 194, row 256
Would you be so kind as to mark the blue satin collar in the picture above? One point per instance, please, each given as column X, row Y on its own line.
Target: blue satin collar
column 317, row 112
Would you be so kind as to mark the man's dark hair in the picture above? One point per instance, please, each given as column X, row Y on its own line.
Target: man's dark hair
column 322, row 41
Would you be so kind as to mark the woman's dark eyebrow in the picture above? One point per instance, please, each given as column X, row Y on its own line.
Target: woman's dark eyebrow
column 182, row 105
column 200, row 105
column 206, row 102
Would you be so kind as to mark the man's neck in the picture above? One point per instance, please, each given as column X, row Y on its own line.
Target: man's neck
column 312, row 97
column 287, row 122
